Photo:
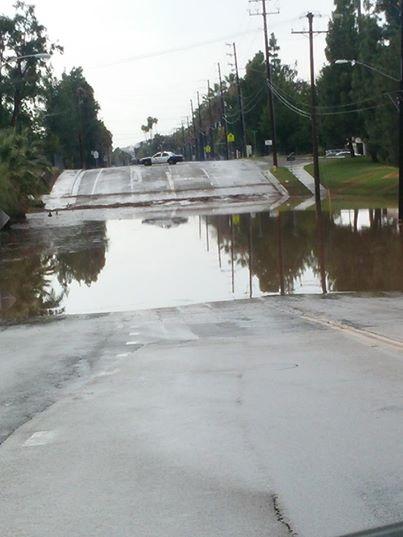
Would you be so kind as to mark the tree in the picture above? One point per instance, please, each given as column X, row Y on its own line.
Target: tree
column 335, row 85
column 23, row 82
column 73, row 128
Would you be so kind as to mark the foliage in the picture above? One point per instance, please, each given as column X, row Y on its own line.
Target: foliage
column 71, row 121
column 22, row 82
column 22, row 170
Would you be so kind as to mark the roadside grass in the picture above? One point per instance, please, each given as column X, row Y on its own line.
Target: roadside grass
column 290, row 182
column 358, row 177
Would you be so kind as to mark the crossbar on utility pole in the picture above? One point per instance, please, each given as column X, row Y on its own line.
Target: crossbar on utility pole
column 269, row 74
column 224, row 119
column 314, row 117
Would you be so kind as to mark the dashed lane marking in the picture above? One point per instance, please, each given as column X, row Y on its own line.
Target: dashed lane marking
column 170, row 181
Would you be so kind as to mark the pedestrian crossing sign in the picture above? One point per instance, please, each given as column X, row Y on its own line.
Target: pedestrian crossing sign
column 231, row 137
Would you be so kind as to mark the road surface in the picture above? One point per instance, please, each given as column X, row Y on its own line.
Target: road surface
column 277, row 416
column 135, row 185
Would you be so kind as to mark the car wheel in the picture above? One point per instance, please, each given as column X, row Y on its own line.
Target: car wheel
column 171, row 162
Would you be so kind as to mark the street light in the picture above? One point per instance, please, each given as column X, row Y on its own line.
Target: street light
column 400, row 81
column 39, row 56
column 353, row 63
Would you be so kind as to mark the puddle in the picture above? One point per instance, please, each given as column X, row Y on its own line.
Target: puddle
column 120, row 265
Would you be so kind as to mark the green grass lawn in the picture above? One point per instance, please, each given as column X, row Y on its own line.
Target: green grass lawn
column 358, row 177
column 290, row 182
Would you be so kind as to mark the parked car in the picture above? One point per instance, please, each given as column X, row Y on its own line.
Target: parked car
column 343, row 154
column 331, row 153
column 164, row 157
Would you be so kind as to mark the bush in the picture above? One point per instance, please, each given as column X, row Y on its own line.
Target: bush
column 23, row 169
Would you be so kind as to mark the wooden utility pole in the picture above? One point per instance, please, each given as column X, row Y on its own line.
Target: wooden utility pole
column 201, row 142
column 401, row 119
column 314, row 118
column 190, row 145
column 269, row 74
column 224, row 119
column 194, row 131
column 240, row 102
column 210, row 116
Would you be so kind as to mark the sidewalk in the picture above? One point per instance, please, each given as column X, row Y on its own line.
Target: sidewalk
column 306, row 178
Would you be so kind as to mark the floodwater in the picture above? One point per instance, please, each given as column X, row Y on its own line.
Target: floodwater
column 108, row 265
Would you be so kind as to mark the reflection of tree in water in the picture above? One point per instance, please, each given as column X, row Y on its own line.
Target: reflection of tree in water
column 355, row 260
column 295, row 232
column 82, row 267
column 370, row 259
column 26, row 286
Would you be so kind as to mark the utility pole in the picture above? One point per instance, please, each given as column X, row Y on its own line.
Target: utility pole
column 201, row 143
column 224, row 119
column 190, row 145
column 194, row 131
column 270, row 98
column 183, row 140
column 314, row 118
column 401, row 119
column 240, row 101
column 210, row 113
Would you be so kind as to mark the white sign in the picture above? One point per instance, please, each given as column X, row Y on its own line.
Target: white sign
column 95, row 154
column 268, row 142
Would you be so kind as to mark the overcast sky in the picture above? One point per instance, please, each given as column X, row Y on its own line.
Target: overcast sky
column 134, row 51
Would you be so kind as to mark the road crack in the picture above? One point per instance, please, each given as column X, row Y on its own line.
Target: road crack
column 281, row 517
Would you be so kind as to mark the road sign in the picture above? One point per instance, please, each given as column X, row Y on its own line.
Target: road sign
column 231, row 137
column 268, row 142
column 208, row 149
column 95, row 154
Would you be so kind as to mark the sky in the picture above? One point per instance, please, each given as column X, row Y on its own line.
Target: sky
column 150, row 57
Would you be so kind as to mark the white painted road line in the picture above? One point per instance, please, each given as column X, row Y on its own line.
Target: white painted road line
column 96, row 182
column 170, row 181
column 40, row 438
column 135, row 177
column 77, row 182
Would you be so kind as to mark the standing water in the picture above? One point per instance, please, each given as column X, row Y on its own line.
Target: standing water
column 105, row 265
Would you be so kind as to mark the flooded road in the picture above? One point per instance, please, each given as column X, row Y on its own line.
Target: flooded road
column 112, row 264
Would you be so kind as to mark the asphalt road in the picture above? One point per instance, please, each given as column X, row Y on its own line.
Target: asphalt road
column 141, row 185
column 277, row 416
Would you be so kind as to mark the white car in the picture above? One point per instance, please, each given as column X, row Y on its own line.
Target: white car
column 164, row 157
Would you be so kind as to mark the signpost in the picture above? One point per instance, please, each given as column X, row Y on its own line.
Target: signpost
column 95, row 154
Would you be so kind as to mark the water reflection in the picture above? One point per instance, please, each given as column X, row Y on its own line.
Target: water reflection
column 36, row 269
column 342, row 252
column 133, row 264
